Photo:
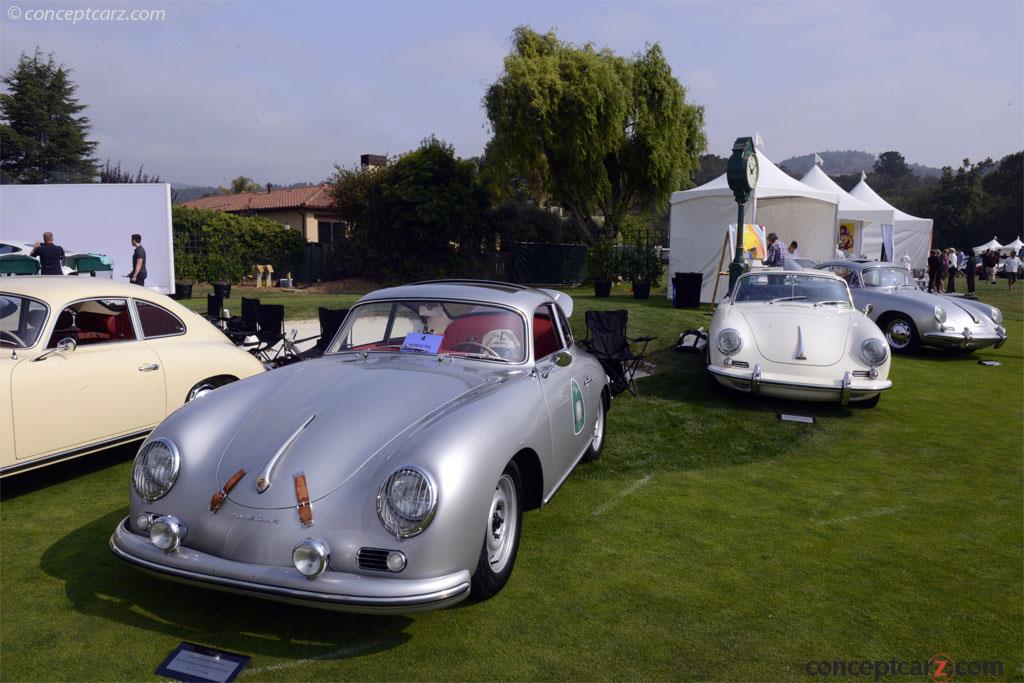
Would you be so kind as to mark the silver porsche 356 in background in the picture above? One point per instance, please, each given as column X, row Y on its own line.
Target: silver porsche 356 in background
column 910, row 317
column 388, row 476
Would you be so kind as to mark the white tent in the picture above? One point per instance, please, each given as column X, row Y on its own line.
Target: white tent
column 701, row 217
column 1014, row 246
column 911, row 235
column 866, row 219
column 991, row 245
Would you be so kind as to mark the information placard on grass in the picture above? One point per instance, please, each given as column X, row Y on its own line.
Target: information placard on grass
column 191, row 662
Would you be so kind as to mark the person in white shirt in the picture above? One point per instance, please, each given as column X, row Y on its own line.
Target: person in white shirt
column 951, row 260
column 1012, row 266
column 789, row 258
column 906, row 261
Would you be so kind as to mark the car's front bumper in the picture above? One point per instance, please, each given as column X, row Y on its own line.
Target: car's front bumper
column 847, row 388
column 966, row 339
column 332, row 590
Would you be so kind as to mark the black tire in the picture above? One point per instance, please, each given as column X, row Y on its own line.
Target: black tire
column 597, row 440
column 867, row 403
column 901, row 334
column 491, row 576
column 205, row 386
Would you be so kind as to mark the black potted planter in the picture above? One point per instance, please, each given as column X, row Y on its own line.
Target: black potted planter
column 182, row 290
column 222, row 289
column 602, row 288
column 641, row 289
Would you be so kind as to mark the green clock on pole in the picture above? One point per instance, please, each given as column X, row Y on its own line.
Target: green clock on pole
column 741, row 172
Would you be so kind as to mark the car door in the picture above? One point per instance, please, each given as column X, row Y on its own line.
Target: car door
column 110, row 385
column 563, row 386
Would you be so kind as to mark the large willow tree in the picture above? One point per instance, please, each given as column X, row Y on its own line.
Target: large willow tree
column 604, row 133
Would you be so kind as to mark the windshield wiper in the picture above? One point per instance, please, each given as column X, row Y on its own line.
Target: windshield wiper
column 834, row 302
column 787, row 298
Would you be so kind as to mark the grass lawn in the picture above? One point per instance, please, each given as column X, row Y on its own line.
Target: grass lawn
column 711, row 541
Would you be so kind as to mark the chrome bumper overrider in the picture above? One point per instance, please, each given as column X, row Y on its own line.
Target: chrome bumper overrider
column 843, row 390
column 332, row 590
column 965, row 339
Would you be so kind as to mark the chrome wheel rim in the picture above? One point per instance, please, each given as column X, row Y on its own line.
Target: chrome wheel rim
column 200, row 391
column 501, row 524
column 595, row 443
column 898, row 333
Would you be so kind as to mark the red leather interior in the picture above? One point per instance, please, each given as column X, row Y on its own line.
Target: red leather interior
column 94, row 327
column 474, row 327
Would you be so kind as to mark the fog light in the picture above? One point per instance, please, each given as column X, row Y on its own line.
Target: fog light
column 143, row 521
column 396, row 561
column 727, row 362
column 167, row 533
column 310, row 557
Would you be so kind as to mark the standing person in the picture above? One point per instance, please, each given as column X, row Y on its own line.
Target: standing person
column 969, row 266
column 906, row 261
column 934, row 271
column 138, row 274
column 50, row 255
column 774, row 256
column 792, row 254
column 951, row 262
column 991, row 262
column 1012, row 267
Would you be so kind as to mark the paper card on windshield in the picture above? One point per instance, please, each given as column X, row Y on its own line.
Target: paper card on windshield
column 422, row 343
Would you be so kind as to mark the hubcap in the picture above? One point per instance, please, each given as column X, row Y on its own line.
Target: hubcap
column 501, row 525
column 200, row 391
column 898, row 333
column 595, row 443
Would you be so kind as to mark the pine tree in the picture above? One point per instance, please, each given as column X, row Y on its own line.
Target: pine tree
column 43, row 138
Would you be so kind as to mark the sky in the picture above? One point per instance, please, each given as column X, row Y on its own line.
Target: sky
column 281, row 92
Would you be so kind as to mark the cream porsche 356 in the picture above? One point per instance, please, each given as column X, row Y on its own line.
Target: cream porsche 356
column 87, row 363
column 796, row 334
column 389, row 475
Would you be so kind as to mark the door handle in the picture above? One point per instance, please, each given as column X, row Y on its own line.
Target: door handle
column 587, row 381
column 149, row 367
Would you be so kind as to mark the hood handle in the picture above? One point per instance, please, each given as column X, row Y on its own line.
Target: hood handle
column 263, row 480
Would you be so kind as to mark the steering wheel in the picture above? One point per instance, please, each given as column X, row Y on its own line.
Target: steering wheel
column 16, row 338
column 477, row 345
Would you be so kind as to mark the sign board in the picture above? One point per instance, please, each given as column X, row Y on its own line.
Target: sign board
column 191, row 662
column 755, row 245
column 99, row 219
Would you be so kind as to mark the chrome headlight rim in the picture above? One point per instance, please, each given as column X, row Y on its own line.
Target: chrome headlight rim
column 940, row 313
column 397, row 524
column 996, row 315
column 321, row 553
column 139, row 469
column 879, row 357
column 722, row 348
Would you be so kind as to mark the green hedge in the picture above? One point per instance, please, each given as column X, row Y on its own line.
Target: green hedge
column 213, row 246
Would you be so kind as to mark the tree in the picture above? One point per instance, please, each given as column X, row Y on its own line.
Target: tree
column 239, row 185
column 43, row 138
column 602, row 133
column 112, row 173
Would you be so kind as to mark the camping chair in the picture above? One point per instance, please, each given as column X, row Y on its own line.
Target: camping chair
column 248, row 324
column 214, row 308
column 330, row 323
column 270, row 344
column 607, row 340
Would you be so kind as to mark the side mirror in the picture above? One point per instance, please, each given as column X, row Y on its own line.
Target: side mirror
column 868, row 308
column 562, row 359
column 65, row 345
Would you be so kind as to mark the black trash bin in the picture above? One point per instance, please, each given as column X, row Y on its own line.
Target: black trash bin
column 182, row 290
column 686, row 290
column 222, row 289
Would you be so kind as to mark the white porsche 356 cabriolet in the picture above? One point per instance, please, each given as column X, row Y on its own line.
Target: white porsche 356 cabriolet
column 797, row 335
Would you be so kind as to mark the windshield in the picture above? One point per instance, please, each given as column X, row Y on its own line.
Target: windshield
column 886, row 277
column 788, row 286
column 450, row 327
column 21, row 321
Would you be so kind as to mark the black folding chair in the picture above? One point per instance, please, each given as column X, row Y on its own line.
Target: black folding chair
column 330, row 323
column 246, row 325
column 214, row 308
column 607, row 340
column 270, row 337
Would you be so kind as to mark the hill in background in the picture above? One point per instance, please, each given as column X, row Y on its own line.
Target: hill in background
column 846, row 162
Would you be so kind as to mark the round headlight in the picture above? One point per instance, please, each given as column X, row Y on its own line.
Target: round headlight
column 874, row 351
column 311, row 557
column 997, row 315
column 155, row 468
column 729, row 341
column 406, row 502
column 167, row 533
column 940, row 314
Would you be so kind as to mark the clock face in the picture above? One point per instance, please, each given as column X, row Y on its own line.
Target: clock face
column 752, row 169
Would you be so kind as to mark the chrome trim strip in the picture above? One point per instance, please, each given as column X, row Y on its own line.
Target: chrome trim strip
column 64, row 455
column 844, row 396
column 799, row 344
column 263, row 480
column 755, row 380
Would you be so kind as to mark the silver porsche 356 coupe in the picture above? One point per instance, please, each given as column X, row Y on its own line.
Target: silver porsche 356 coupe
column 391, row 474
column 910, row 317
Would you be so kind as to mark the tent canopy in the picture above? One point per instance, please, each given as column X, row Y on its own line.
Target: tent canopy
column 991, row 245
column 700, row 218
column 868, row 238
column 1014, row 245
column 911, row 235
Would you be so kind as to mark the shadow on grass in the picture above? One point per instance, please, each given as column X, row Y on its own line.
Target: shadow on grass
column 34, row 480
column 99, row 585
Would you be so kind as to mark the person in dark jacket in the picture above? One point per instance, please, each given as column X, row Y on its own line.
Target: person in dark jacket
column 49, row 254
column 969, row 266
column 935, row 271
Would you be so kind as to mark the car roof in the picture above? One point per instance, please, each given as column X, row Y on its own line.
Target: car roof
column 803, row 271
column 859, row 265
column 68, row 287
column 521, row 297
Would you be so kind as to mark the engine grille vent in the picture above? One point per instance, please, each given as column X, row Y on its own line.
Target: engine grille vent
column 740, row 364
column 374, row 559
column 861, row 373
